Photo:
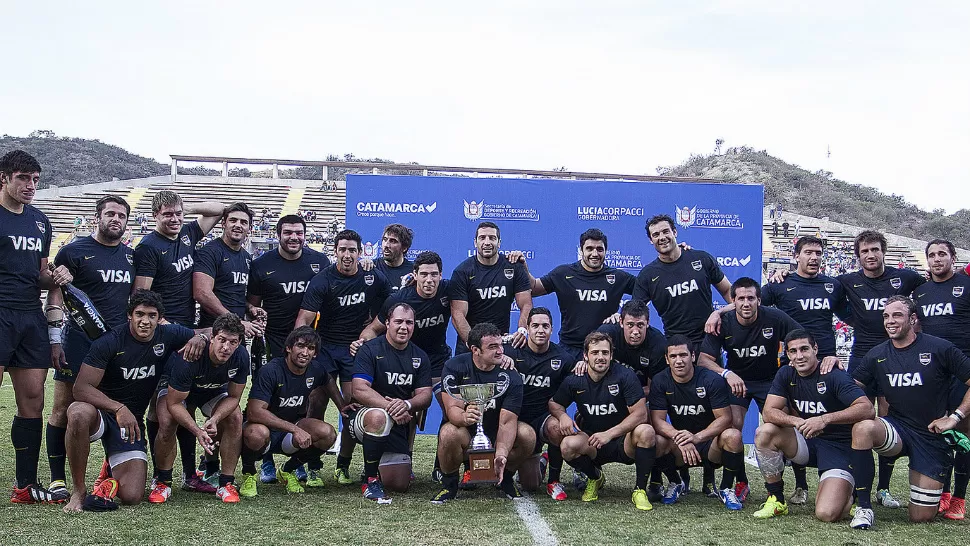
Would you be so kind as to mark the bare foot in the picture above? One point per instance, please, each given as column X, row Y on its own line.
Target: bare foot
column 73, row 506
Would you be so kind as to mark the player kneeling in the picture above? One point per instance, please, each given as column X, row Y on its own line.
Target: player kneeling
column 392, row 381
column 214, row 384
column 276, row 415
column 513, row 440
column 817, row 433
column 613, row 419
column 698, row 403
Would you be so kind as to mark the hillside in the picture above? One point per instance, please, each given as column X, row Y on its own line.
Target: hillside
column 818, row 194
column 71, row 161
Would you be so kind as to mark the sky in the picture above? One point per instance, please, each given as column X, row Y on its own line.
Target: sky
column 593, row 86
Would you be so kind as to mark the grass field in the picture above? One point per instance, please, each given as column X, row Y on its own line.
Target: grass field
column 338, row 515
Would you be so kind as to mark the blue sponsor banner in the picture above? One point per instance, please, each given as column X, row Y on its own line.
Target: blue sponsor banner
column 544, row 217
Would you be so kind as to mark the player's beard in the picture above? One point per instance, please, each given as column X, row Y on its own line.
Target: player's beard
column 105, row 232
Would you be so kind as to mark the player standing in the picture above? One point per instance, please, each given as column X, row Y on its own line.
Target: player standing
column 395, row 243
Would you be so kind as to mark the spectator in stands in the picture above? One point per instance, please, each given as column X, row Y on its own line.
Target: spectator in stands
column 784, row 227
column 774, row 228
column 798, row 226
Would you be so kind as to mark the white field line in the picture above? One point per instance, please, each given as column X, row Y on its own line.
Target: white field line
column 528, row 511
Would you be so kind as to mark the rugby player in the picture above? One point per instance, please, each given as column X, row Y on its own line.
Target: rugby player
column 588, row 291
column 612, row 421
column 103, row 269
column 913, row 371
column 944, row 312
column 697, row 402
column 24, row 352
column 214, row 384
column 276, row 414
column 392, row 382
column 636, row 344
column 808, row 420
column 513, row 440
column 112, row 391
column 751, row 335
column 277, row 282
column 543, row 366
column 395, row 243
column 347, row 298
column 484, row 286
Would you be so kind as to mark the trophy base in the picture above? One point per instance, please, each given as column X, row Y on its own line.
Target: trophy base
column 481, row 466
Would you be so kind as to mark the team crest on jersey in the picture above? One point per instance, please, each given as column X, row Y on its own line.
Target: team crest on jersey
column 131, row 259
column 767, row 332
column 232, row 373
column 315, row 268
column 186, row 241
column 41, row 227
column 697, row 265
column 821, row 387
column 503, row 382
column 416, row 362
column 309, row 382
column 686, row 216
column 925, row 358
column 829, row 287
column 895, row 282
column 614, row 389
column 556, row 364
column 644, row 361
column 444, row 301
column 247, row 263
column 369, row 250
column 473, row 210
column 509, row 273
column 701, row 392
column 611, row 278
column 159, row 349
column 957, row 291
column 368, row 280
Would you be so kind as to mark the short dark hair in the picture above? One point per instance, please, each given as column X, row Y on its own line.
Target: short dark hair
column 398, row 305
column 148, row 299
column 237, row 207
column 289, row 219
column 800, row 333
column 498, row 232
column 596, row 337
column 428, row 257
column 306, row 334
column 870, row 236
column 165, row 198
column 403, row 234
column 540, row 311
column 635, row 308
column 347, row 235
column 231, row 324
column 99, row 207
column 680, row 339
column 949, row 246
column 807, row 240
column 656, row 219
column 905, row 300
column 18, row 161
column 594, row 234
column 746, row 282
column 481, row 331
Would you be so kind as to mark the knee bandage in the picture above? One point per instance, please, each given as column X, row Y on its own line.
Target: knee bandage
column 892, row 440
column 771, row 463
column 357, row 424
column 924, row 497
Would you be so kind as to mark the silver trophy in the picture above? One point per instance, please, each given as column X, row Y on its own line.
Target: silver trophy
column 481, row 451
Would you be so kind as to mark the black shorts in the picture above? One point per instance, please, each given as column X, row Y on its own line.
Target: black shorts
column 756, row 390
column 23, row 339
column 928, row 453
column 537, row 425
column 957, row 391
column 116, row 447
column 76, row 346
column 342, row 359
column 438, row 363
column 612, row 452
column 276, row 443
column 827, row 455
column 205, row 401
column 274, row 346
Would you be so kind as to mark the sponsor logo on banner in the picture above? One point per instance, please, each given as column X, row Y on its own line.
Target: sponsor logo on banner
column 368, row 280
column 925, row 358
column 697, row 265
column 618, row 259
column 416, row 362
column 611, row 278
column 731, row 261
column 606, row 214
column 315, row 268
column 707, row 218
column 957, row 291
column 369, row 250
column 767, row 332
column 499, row 211
column 159, row 349
column 309, row 382
column 829, row 287
column 186, row 241
column 614, row 389
column 556, row 364
column 41, row 227
column 376, row 209
column 701, row 392
column 821, row 387
column 895, row 282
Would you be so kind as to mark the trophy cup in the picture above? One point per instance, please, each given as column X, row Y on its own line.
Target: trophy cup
column 481, row 452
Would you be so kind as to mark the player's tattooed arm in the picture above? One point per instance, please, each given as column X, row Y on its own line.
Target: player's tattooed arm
column 210, row 212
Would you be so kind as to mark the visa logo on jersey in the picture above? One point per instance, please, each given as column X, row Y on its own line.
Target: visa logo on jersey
column 138, row 373
column 183, row 264
column 874, row 304
column 937, row 309
column 115, row 275
column 600, row 409
column 240, row 278
column 429, row 321
column 683, row 288
column 535, row 380
column 21, row 242
column 591, row 295
column 492, row 292
column 394, row 378
column 810, row 406
column 689, row 409
column 294, row 287
column 291, row 402
column 351, row 299
column 905, row 379
column 814, row 304
column 751, row 352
